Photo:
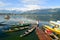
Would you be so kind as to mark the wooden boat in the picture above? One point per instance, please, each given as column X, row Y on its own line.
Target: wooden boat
column 54, row 26
column 27, row 32
column 2, row 24
column 15, row 29
column 7, row 17
column 53, row 23
column 52, row 29
column 16, row 26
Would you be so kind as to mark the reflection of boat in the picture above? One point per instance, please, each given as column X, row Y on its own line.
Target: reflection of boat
column 7, row 17
column 53, row 27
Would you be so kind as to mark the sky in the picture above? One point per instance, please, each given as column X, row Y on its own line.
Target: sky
column 25, row 5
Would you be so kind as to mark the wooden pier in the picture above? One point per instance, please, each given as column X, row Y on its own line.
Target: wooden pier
column 41, row 35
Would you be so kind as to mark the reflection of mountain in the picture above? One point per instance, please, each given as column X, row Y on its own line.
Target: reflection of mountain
column 44, row 14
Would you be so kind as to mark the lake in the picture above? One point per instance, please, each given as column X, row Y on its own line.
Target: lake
column 15, row 35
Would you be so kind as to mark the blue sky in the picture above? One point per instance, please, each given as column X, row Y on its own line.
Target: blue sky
column 28, row 4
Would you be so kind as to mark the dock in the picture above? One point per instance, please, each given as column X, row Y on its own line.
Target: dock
column 41, row 35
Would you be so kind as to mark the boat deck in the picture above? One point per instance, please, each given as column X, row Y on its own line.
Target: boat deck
column 41, row 35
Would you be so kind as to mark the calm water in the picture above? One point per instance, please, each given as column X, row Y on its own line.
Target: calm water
column 15, row 35
column 15, row 20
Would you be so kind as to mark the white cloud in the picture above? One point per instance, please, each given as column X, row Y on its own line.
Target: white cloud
column 32, row 4
column 54, row 7
column 34, row 1
column 26, row 8
column 28, row 5
column 31, row 7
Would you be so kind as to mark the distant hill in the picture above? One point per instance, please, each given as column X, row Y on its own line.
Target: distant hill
column 42, row 11
column 10, row 12
column 44, row 14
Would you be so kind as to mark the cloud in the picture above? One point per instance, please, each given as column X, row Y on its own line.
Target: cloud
column 25, row 5
column 32, row 7
column 26, row 8
column 54, row 7
column 32, row 4
column 34, row 1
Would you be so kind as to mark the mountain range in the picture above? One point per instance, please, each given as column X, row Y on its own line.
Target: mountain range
column 10, row 12
column 44, row 14
column 37, row 11
column 39, row 14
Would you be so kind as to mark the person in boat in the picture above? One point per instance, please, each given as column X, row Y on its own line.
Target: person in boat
column 38, row 23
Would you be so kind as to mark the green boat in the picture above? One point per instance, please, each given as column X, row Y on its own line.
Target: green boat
column 17, row 28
